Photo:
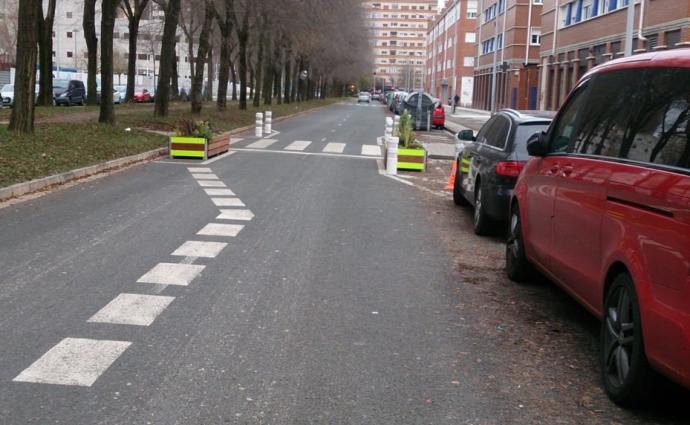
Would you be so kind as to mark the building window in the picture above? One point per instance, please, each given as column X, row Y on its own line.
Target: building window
column 470, row 37
column 468, row 61
column 537, row 1
column 672, row 38
column 69, row 54
column 535, row 37
column 69, row 34
column 69, row 15
column 142, row 56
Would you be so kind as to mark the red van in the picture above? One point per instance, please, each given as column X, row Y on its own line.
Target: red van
column 603, row 209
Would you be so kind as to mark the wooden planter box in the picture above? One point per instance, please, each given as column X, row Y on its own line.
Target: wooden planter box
column 411, row 159
column 198, row 147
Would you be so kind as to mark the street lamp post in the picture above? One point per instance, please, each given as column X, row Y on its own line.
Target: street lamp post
column 629, row 28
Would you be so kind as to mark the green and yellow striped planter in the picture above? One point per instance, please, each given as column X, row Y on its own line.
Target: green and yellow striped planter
column 187, row 147
column 411, row 159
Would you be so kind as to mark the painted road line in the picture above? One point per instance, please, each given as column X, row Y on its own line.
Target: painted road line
column 205, row 176
column 132, row 309
column 200, row 249
column 330, row 155
column 171, row 274
column 262, row 143
column 211, row 183
column 298, row 145
column 74, row 361
column 244, row 215
column 217, row 229
column 199, row 170
column 219, row 192
column 334, row 148
column 218, row 158
column 371, row 150
column 228, row 202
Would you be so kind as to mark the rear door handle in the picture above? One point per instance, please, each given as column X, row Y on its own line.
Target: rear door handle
column 567, row 170
column 554, row 170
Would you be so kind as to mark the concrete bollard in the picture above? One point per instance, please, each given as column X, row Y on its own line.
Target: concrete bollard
column 396, row 125
column 268, row 120
column 389, row 127
column 392, row 156
column 259, row 125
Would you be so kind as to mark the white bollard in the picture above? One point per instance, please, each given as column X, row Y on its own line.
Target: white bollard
column 267, row 123
column 389, row 127
column 259, row 125
column 392, row 157
column 396, row 125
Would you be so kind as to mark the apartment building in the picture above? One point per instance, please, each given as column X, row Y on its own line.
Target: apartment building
column 580, row 34
column 450, row 54
column 397, row 35
column 506, row 73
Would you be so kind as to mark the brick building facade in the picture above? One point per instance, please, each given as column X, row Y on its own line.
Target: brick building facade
column 451, row 51
column 580, row 34
column 509, row 36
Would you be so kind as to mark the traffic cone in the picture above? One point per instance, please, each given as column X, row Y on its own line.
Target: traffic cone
column 451, row 179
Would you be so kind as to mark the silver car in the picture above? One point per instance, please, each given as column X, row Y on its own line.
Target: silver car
column 364, row 97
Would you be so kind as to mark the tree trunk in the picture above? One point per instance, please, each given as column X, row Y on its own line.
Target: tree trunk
column 268, row 81
column 243, row 37
column 201, row 55
column 167, row 58
column 174, row 77
column 107, row 113
column 288, row 73
column 209, row 88
column 233, row 76
column 257, row 74
column 224, row 70
column 89, row 26
column 132, row 59
column 45, row 39
column 22, row 117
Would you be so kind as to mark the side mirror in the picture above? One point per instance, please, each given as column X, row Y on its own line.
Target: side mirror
column 537, row 145
column 466, row 135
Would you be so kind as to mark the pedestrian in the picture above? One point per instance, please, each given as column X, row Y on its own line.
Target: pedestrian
column 456, row 99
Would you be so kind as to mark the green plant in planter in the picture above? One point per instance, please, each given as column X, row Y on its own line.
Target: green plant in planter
column 193, row 128
column 411, row 154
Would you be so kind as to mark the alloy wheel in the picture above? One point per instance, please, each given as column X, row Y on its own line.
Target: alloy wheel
column 619, row 337
column 478, row 206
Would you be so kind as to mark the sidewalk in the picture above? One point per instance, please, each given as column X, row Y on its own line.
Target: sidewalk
column 465, row 118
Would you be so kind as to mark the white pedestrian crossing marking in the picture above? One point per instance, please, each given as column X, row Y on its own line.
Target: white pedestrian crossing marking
column 211, row 183
column 132, row 309
column 217, row 229
column 219, row 192
column 334, row 147
column 205, row 176
column 74, row 361
column 262, row 143
column 199, row 170
column 373, row 150
column 200, row 249
column 171, row 274
column 228, row 202
column 298, row 145
column 244, row 215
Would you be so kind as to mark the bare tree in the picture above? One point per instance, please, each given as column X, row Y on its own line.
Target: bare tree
column 89, row 26
column 172, row 11
column 8, row 31
column 201, row 56
column 107, row 112
column 22, row 118
column 223, row 13
column 45, row 45
column 133, row 10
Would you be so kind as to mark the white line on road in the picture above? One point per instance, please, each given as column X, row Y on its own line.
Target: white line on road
column 228, row 202
column 262, row 143
column 205, row 176
column 331, row 155
column 371, row 150
column 132, row 309
column 219, row 192
column 244, row 215
column 200, row 249
column 217, row 229
column 323, row 140
column 219, row 157
column 334, row 148
column 297, row 145
column 199, row 170
column 171, row 274
column 210, row 183
column 74, row 361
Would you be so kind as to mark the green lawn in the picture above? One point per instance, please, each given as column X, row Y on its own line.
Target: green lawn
column 74, row 139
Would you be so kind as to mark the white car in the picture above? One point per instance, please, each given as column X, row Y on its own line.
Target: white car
column 7, row 95
column 364, row 97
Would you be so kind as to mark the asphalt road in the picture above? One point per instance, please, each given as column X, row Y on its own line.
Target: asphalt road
column 318, row 292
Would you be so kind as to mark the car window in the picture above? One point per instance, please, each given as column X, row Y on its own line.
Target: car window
column 567, row 120
column 498, row 133
column 523, row 133
column 481, row 136
column 8, row 87
column 639, row 115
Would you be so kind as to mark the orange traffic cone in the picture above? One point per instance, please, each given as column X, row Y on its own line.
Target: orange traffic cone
column 451, row 179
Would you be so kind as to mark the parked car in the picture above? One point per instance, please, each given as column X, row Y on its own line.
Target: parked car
column 376, row 96
column 119, row 94
column 363, row 97
column 399, row 102
column 69, row 92
column 603, row 209
column 438, row 115
column 389, row 100
column 142, row 95
column 7, row 95
column 490, row 164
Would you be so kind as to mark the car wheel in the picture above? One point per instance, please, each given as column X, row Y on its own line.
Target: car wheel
column 458, row 196
column 518, row 267
column 626, row 371
column 481, row 220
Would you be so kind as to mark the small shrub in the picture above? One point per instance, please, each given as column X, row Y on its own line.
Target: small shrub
column 191, row 128
column 405, row 131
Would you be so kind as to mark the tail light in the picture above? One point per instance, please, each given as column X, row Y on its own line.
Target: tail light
column 509, row 168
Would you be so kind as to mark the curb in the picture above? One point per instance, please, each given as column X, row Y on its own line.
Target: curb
column 31, row 186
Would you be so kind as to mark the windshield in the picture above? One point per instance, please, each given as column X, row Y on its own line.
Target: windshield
column 60, row 84
column 8, row 87
column 524, row 132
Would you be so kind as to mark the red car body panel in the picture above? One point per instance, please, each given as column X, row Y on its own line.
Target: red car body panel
column 142, row 97
column 586, row 217
column 438, row 117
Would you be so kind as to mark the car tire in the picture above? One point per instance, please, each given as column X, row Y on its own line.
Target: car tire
column 518, row 267
column 458, row 196
column 480, row 219
column 626, row 372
